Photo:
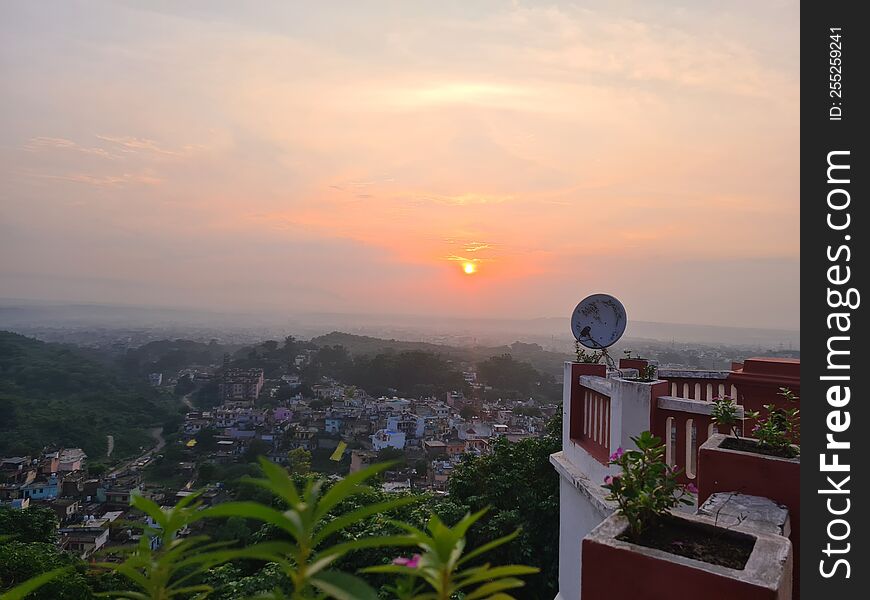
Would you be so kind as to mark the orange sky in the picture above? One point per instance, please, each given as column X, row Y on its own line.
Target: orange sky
column 350, row 158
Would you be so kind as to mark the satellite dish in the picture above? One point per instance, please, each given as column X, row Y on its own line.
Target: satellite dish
column 598, row 321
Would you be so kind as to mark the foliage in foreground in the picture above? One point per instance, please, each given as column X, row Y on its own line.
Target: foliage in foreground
column 647, row 488
column 168, row 562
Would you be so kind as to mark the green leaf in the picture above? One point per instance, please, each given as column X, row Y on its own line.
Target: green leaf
column 488, row 546
column 343, row 586
column 347, row 487
column 282, row 483
column 368, row 542
column 32, row 584
column 496, row 573
column 254, row 510
column 488, row 589
column 358, row 515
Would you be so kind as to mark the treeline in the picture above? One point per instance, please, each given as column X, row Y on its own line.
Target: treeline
column 417, row 373
column 411, row 374
column 52, row 394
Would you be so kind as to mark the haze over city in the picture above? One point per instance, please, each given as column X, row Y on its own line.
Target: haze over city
column 494, row 159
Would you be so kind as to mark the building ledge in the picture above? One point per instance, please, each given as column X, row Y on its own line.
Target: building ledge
column 592, row 491
column 689, row 374
column 698, row 407
column 601, row 385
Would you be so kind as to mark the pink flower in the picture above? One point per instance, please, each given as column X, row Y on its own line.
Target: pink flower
column 411, row 563
column 617, row 455
column 608, row 480
column 691, row 488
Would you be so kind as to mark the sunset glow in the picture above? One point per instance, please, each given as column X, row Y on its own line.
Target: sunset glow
column 294, row 157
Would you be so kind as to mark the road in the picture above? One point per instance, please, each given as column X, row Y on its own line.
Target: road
column 159, row 442
column 110, row 443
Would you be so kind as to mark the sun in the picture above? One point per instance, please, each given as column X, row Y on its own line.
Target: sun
column 469, row 268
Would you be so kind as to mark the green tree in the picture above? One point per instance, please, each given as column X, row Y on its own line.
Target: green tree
column 509, row 376
column 256, row 448
column 34, row 524
column 492, row 480
column 299, row 461
column 21, row 561
column 206, row 440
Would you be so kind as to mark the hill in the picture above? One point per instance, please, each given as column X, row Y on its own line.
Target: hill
column 358, row 345
column 52, row 394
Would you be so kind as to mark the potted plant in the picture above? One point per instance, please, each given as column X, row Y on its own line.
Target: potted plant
column 766, row 465
column 632, row 362
column 587, row 363
column 670, row 556
column 725, row 416
column 647, row 373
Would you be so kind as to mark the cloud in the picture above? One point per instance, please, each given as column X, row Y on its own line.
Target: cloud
column 103, row 181
column 133, row 144
column 42, row 144
column 552, row 141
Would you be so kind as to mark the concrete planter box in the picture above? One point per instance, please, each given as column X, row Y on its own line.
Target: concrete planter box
column 633, row 363
column 595, row 369
column 619, row 570
column 725, row 470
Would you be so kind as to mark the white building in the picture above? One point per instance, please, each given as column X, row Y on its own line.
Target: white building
column 71, row 459
column 384, row 438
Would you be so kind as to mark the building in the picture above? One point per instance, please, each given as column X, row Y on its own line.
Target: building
column 155, row 379
column 602, row 412
column 71, row 459
column 409, row 424
column 241, row 385
column 42, row 489
column 17, row 469
column 384, row 438
column 86, row 538
column 360, row 459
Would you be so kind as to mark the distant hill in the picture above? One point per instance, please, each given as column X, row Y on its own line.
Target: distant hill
column 53, row 394
column 543, row 360
column 87, row 323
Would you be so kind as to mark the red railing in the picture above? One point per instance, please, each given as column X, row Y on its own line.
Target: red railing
column 590, row 422
column 698, row 385
column 683, row 430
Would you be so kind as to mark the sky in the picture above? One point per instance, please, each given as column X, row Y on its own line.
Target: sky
column 363, row 157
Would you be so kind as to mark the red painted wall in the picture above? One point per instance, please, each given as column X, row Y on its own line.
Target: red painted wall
column 615, row 574
column 755, row 475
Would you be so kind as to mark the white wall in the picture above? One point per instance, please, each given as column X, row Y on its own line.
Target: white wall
column 581, row 497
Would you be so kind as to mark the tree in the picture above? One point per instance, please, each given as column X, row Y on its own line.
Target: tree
column 184, row 386
column 299, row 461
column 256, row 448
column 34, row 524
column 505, row 373
column 206, row 440
column 20, row 561
column 467, row 412
column 493, row 480
column 207, row 472
column 234, row 529
column 96, row 469
column 390, row 454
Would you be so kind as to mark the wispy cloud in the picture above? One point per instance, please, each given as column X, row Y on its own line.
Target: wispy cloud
column 42, row 144
column 107, row 181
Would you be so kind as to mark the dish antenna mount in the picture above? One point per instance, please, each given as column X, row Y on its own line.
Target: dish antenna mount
column 598, row 322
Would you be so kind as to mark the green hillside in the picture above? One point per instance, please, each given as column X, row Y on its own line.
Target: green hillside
column 52, row 394
column 543, row 360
